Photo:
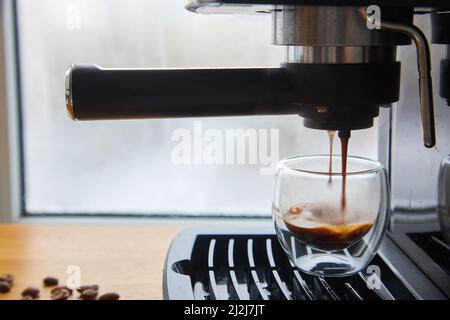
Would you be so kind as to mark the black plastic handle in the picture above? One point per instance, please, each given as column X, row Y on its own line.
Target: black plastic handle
column 93, row 93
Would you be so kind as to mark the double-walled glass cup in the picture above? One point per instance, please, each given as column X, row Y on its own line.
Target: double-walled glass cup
column 325, row 231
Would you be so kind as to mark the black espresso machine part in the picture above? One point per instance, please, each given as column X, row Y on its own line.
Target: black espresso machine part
column 440, row 24
column 335, row 80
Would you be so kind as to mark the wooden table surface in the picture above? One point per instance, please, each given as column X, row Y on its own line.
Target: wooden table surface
column 127, row 259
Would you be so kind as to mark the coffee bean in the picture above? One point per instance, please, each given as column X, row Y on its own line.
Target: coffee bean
column 50, row 281
column 5, row 287
column 7, row 278
column 32, row 292
column 62, row 288
column 60, row 293
column 89, row 294
column 92, row 287
column 109, row 296
column 27, row 298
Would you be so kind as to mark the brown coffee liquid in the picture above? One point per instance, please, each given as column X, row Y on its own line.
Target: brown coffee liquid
column 344, row 148
column 331, row 134
column 320, row 226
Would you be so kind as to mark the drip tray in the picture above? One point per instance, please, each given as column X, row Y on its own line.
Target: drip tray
column 430, row 253
column 251, row 265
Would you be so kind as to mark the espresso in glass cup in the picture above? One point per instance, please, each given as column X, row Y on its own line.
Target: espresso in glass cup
column 330, row 224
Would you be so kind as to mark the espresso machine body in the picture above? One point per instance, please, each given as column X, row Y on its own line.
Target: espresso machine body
column 344, row 61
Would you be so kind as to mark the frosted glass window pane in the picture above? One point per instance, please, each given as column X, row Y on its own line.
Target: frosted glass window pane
column 125, row 166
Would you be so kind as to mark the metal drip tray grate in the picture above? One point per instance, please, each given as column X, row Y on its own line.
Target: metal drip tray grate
column 255, row 267
column 430, row 254
column 436, row 248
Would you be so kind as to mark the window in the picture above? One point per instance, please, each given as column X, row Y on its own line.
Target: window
column 126, row 167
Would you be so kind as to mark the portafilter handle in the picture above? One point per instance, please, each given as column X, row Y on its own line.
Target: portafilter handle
column 93, row 93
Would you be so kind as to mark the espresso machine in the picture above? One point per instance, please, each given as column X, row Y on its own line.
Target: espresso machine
column 341, row 69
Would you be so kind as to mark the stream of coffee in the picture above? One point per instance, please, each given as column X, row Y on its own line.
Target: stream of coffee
column 331, row 134
column 344, row 136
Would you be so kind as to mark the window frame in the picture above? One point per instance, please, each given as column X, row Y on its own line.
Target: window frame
column 11, row 161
